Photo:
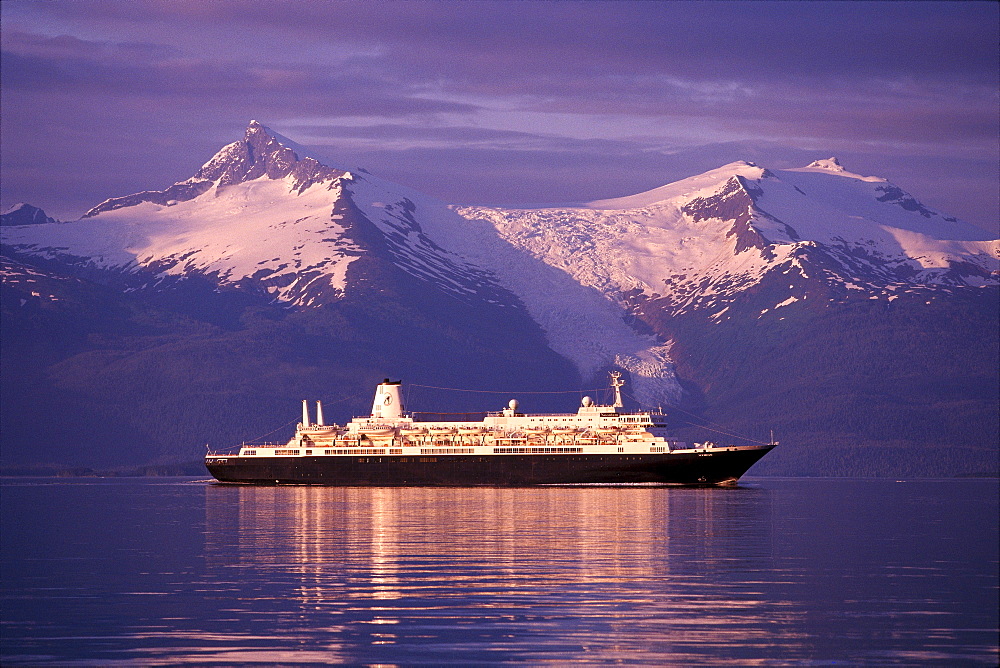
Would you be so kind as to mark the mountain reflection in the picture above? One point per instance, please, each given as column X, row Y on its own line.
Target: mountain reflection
column 391, row 565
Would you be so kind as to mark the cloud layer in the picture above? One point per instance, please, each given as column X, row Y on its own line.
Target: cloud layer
column 500, row 102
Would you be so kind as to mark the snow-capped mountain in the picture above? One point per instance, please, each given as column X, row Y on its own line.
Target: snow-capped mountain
column 263, row 214
column 257, row 215
column 735, row 284
column 700, row 242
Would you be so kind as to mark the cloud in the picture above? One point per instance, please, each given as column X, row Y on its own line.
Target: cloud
column 454, row 82
column 112, row 70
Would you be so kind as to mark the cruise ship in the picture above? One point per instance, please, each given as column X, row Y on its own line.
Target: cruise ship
column 598, row 444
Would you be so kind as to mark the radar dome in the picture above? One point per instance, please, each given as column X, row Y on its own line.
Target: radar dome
column 587, row 402
column 513, row 404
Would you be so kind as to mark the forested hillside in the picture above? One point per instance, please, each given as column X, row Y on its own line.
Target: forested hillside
column 866, row 387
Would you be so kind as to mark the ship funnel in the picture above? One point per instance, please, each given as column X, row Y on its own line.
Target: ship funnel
column 305, row 413
column 388, row 400
column 319, row 413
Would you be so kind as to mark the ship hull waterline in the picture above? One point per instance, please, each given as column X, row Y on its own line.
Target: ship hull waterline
column 724, row 466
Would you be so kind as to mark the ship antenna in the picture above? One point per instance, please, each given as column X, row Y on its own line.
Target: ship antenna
column 616, row 383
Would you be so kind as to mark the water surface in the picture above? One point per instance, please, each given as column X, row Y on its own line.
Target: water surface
column 804, row 571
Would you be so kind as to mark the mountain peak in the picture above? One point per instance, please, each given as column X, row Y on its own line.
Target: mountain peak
column 264, row 153
column 713, row 179
column 832, row 164
column 25, row 214
column 258, row 132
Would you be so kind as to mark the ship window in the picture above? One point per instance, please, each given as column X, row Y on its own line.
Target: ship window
column 309, row 452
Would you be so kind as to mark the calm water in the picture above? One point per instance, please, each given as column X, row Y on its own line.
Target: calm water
column 146, row 572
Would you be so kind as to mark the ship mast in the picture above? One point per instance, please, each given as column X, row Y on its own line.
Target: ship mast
column 616, row 383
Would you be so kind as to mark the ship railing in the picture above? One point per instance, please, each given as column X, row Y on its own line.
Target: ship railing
column 232, row 450
column 503, row 414
column 226, row 450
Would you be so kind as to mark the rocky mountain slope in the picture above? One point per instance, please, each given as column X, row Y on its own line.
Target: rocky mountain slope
column 833, row 307
column 24, row 214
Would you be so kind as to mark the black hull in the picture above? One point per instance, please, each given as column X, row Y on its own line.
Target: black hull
column 695, row 468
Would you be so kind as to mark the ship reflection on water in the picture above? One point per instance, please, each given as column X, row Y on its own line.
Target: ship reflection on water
column 469, row 574
column 797, row 571
column 166, row 572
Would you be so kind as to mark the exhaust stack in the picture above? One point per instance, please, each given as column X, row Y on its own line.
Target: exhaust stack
column 388, row 400
column 319, row 413
column 305, row 412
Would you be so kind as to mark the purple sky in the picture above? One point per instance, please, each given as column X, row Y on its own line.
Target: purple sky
column 502, row 103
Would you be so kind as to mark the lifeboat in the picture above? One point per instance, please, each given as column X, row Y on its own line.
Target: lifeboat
column 375, row 428
column 319, row 430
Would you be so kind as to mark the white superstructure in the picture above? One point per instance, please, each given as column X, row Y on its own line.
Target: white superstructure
column 592, row 429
